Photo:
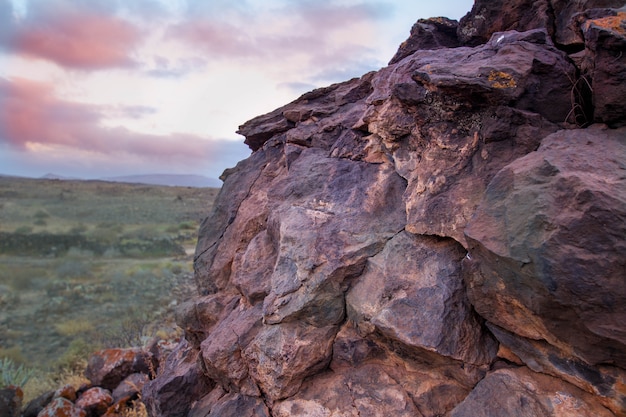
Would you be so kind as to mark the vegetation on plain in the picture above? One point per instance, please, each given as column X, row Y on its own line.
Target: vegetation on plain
column 86, row 265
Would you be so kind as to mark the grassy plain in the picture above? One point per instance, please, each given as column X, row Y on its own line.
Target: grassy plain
column 91, row 264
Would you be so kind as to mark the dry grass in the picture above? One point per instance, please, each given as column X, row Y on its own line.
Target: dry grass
column 74, row 327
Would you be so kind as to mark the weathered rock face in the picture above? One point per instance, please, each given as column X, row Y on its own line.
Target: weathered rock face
column 413, row 241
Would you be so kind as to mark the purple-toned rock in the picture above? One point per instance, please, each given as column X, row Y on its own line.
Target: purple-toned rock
column 35, row 406
column 180, row 383
column 604, row 32
column 130, row 387
column 107, row 368
column 11, row 401
column 334, row 276
column 281, row 356
column 62, row 407
column 199, row 316
column 413, row 293
column 606, row 382
column 95, row 401
column 367, row 391
column 222, row 352
column 238, row 405
column 433, row 33
column 546, row 246
column 522, row 393
column 490, row 16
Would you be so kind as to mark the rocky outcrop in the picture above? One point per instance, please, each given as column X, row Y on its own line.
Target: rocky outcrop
column 444, row 236
column 116, row 379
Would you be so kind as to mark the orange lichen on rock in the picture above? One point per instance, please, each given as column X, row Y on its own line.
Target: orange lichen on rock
column 499, row 79
column 613, row 23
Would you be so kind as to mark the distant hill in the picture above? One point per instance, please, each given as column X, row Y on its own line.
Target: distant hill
column 174, row 180
column 51, row 176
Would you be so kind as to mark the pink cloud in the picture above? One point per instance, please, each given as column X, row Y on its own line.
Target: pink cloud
column 31, row 115
column 307, row 28
column 80, row 40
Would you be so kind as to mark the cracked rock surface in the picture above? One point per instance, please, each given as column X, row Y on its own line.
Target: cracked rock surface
column 442, row 237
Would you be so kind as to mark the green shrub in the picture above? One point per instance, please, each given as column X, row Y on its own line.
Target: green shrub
column 188, row 226
column 41, row 214
column 13, row 374
column 78, row 229
column 40, row 222
column 24, row 230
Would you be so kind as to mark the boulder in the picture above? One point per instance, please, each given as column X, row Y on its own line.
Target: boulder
column 413, row 293
column 433, row 33
column 222, row 353
column 546, row 246
column 238, row 405
column 362, row 392
column 605, row 382
column 130, row 387
column 95, row 401
column 180, row 383
column 490, row 16
column 281, row 356
column 435, row 384
column 67, row 391
column 604, row 32
column 399, row 240
column 521, row 393
column 107, row 368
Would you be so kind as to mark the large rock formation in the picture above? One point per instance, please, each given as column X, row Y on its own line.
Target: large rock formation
column 443, row 237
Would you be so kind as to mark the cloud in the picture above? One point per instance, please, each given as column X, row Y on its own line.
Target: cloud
column 319, row 33
column 33, row 119
column 72, row 37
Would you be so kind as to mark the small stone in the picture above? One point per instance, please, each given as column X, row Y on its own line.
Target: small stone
column 62, row 407
column 107, row 368
column 131, row 386
column 95, row 401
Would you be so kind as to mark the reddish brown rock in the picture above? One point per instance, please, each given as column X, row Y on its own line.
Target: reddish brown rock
column 66, row 391
column 607, row 383
column 222, row 352
column 490, row 16
column 11, row 401
column 180, row 383
column 434, row 383
column 522, row 393
column 95, row 401
column 130, row 387
column 333, row 273
column 37, row 404
column 61, row 407
column 237, row 405
column 433, row 33
column 281, row 356
column 413, row 293
column 199, row 316
column 107, row 368
column 604, row 32
column 365, row 391
column 546, row 246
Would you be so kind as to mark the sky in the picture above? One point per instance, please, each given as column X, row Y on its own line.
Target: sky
column 101, row 88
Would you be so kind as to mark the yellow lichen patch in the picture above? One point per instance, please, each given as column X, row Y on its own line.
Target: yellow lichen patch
column 612, row 23
column 499, row 79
